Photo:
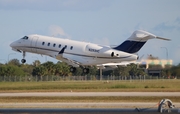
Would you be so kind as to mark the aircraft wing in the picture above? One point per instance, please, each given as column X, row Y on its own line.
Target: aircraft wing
column 67, row 60
column 114, row 65
column 75, row 61
column 62, row 57
column 124, row 63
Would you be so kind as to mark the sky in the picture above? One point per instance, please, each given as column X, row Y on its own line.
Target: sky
column 107, row 22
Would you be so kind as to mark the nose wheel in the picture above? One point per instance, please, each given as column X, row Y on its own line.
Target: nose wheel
column 24, row 60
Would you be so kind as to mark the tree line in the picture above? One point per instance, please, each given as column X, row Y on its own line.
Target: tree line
column 15, row 68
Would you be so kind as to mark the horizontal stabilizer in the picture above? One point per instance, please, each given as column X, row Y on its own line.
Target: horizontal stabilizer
column 163, row 38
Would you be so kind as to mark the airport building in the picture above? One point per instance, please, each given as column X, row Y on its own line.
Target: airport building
column 155, row 66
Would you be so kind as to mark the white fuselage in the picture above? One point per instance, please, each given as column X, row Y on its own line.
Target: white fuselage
column 82, row 53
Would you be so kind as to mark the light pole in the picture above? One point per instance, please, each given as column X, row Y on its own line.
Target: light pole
column 9, row 55
column 166, row 52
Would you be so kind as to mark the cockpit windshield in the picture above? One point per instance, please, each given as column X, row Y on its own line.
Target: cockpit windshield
column 25, row 37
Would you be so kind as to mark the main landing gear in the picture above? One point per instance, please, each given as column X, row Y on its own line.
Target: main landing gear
column 85, row 70
column 24, row 60
column 73, row 69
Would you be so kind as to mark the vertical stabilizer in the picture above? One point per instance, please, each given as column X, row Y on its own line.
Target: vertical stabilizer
column 136, row 41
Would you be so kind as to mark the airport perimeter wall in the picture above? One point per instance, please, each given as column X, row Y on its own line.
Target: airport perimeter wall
column 75, row 78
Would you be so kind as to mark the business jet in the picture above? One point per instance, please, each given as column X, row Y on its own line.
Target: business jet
column 78, row 53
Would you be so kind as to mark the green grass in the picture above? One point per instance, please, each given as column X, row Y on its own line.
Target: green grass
column 86, row 99
column 89, row 86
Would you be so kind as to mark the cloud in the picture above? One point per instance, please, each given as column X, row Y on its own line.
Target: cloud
column 54, row 5
column 57, row 31
column 168, row 26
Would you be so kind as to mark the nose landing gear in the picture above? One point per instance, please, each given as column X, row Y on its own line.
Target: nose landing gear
column 24, row 60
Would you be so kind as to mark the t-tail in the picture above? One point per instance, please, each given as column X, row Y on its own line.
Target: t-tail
column 136, row 41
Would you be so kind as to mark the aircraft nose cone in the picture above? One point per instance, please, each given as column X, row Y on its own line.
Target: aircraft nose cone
column 12, row 44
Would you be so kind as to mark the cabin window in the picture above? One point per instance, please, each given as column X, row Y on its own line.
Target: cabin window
column 54, row 45
column 71, row 47
column 43, row 43
column 48, row 44
column 59, row 45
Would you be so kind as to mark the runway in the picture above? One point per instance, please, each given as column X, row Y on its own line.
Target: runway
column 83, row 107
column 75, row 108
column 61, row 94
column 78, row 111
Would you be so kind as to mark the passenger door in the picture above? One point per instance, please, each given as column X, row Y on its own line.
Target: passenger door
column 34, row 44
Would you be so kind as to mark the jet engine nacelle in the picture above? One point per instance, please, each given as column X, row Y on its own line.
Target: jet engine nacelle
column 113, row 54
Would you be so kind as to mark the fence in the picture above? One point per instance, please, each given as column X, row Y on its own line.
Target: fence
column 75, row 78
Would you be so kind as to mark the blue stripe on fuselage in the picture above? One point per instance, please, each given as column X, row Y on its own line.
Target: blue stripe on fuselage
column 130, row 46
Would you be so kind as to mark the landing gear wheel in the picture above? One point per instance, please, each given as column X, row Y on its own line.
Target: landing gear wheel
column 23, row 60
column 85, row 70
column 72, row 69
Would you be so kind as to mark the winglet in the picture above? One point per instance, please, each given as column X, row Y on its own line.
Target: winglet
column 62, row 51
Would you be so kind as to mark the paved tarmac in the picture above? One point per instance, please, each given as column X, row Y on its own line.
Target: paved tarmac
column 60, row 94
column 78, row 111
column 82, row 105
column 90, row 107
